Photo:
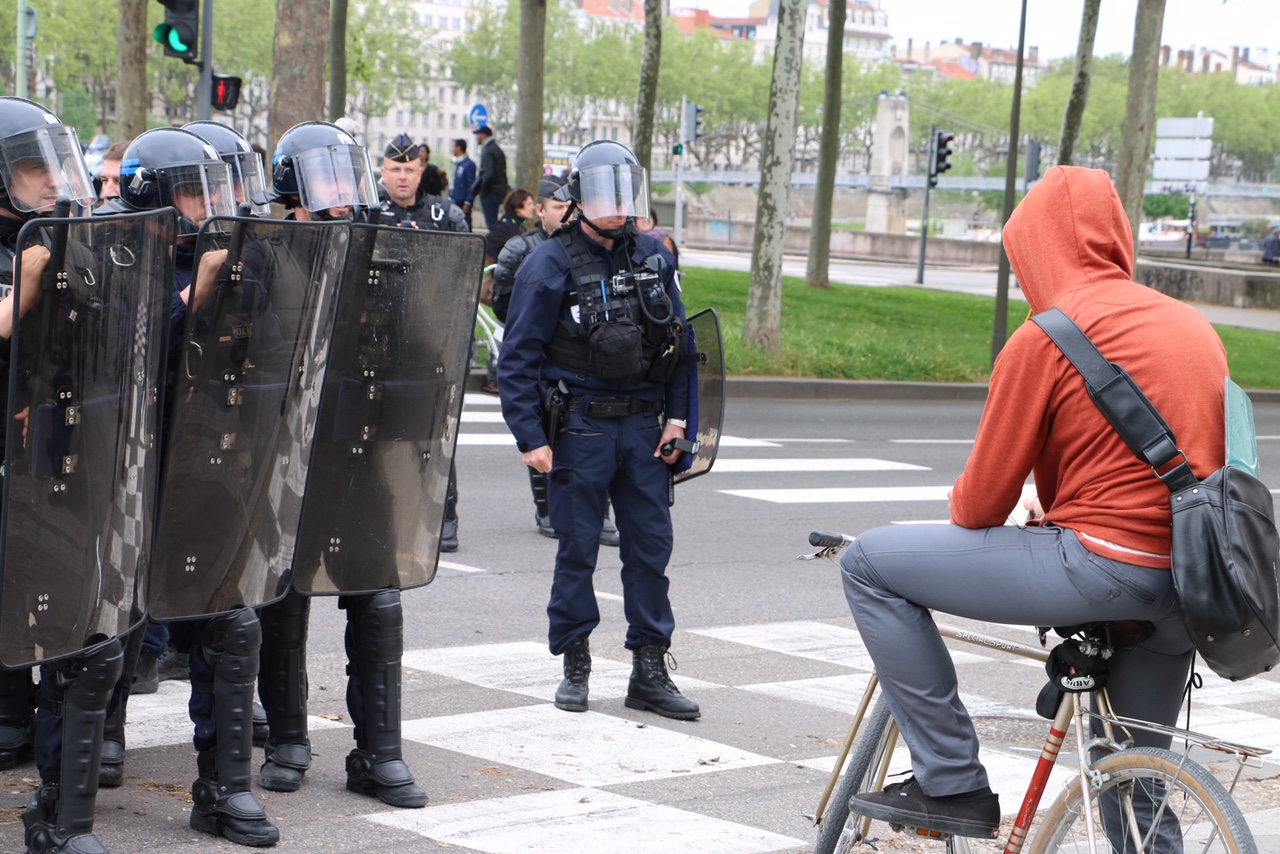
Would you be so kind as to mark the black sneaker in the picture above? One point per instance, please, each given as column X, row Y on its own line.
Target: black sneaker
column 906, row 805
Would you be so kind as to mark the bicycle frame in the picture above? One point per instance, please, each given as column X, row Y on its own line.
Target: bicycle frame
column 1071, row 707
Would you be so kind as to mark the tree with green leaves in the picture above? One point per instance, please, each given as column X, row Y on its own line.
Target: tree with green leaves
column 647, row 91
column 529, row 86
column 385, row 62
column 816, row 272
column 1140, row 110
column 1080, row 73
column 763, row 323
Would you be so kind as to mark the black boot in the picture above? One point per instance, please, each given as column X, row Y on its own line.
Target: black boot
column 652, row 690
column 17, row 720
column 571, row 696
column 375, row 644
column 261, row 726
column 146, row 674
column 59, row 818
column 282, row 686
column 111, row 769
column 541, row 511
column 222, row 803
column 449, row 531
column 609, row 531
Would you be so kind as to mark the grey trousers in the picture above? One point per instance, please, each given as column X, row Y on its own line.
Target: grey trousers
column 894, row 576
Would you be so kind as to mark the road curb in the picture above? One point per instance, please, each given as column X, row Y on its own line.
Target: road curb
column 797, row 388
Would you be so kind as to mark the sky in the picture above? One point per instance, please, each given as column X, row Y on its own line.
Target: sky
column 1054, row 25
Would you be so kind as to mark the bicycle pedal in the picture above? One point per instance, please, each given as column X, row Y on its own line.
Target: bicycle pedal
column 921, row 832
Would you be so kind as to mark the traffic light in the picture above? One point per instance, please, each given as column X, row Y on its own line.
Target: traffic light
column 678, row 148
column 181, row 28
column 1033, row 161
column 941, row 151
column 226, row 92
column 691, row 122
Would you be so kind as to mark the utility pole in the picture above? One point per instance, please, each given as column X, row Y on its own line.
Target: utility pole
column 932, row 157
column 1000, row 328
column 684, row 140
column 26, row 31
column 204, row 102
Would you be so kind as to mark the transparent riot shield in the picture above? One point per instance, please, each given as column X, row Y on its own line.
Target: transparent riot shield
column 85, row 377
column 706, row 394
column 245, row 386
column 389, row 413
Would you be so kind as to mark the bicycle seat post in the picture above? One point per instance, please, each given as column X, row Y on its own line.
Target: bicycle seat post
column 1076, row 709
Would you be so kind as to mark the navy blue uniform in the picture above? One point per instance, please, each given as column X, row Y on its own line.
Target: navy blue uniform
column 595, row 457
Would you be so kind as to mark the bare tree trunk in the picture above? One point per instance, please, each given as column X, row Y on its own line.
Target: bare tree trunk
column 1081, row 73
column 132, row 91
column 1140, row 111
column 647, row 94
column 529, row 115
column 816, row 273
column 763, row 326
column 338, row 60
column 297, row 78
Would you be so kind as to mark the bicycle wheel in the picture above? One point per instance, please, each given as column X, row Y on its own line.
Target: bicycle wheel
column 1147, row 800
column 838, row 832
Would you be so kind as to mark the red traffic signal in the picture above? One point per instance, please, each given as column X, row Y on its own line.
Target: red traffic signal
column 226, row 92
column 941, row 151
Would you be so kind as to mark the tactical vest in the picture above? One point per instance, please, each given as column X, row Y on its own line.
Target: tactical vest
column 626, row 330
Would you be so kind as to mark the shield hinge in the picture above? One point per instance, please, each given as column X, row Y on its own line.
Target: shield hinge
column 69, row 463
column 71, row 416
column 227, row 442
column 235, row 395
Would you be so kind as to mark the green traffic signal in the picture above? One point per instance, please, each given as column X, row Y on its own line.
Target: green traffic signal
column 173, row 38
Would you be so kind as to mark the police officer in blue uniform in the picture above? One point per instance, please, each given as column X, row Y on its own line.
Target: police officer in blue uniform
column 596, row 329
column 171, row 166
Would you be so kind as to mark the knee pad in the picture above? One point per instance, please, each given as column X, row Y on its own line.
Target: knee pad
column 377, row 626
column 284, row 623
column 91, row 679
column 231, row 645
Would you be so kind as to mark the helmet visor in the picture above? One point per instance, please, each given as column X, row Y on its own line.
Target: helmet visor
column 247, row 181
column 610, row 190
column 43, row 165
column 336, row 176
column 199, row 191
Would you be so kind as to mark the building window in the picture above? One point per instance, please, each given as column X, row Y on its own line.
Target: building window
column 399, row 117
column 428, row 20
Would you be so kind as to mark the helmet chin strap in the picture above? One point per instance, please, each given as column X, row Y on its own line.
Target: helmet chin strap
column 611, row 233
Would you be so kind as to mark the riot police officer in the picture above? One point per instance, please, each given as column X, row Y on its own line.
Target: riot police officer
column 320, row 173
column 41, row 162
column 596, row 320
column 405, row 204
column 174, row 167
column 550, row 212
column 403, row 200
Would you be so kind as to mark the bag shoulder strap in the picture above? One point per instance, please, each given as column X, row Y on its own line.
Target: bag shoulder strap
column 1120, row 400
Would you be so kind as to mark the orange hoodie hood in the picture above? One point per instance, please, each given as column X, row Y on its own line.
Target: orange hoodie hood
column 1069, row 232
column 1070, row 244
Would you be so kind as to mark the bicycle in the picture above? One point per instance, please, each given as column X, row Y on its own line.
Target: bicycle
column 1130, row 799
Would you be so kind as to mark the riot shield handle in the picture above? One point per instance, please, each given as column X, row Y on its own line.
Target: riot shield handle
column 53, row 280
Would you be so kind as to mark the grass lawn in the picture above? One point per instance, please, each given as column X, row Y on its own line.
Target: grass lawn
column 902, row 333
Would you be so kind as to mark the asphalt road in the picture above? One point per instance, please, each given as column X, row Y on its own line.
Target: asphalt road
column 763, row 642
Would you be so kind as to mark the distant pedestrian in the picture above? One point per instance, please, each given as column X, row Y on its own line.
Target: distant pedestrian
column 491, row 181
column 434, row 181
column 1271, row 249
column 464, row 178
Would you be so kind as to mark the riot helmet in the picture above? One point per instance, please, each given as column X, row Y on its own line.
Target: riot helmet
column 171, row 167
column 319, row 166
column 41, row 160
column 245, row 163
column 608, row 181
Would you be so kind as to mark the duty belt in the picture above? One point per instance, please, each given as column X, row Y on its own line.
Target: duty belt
column 614, row 407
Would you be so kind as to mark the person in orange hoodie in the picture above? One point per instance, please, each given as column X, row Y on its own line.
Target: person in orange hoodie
column 1098, row 550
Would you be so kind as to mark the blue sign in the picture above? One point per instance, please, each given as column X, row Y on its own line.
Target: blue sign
column 478, row 117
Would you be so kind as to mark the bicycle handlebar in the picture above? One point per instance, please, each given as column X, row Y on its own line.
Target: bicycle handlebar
column 829, row 539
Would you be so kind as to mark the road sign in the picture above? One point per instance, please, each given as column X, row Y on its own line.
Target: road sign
column 478, row 117
column 1184, row 149
column 1180, row 170
column 1198, row 128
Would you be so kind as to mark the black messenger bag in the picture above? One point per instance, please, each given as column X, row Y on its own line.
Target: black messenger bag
column 1225, row 546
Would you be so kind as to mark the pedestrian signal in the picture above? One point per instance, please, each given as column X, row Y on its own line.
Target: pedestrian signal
column 226, row 92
